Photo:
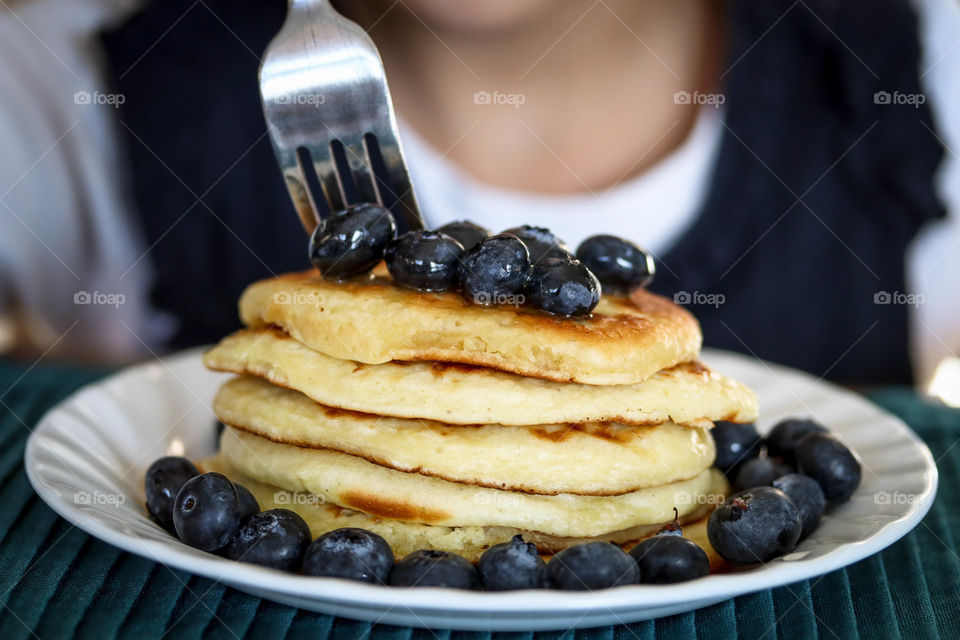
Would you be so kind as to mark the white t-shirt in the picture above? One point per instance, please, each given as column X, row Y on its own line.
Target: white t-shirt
column 66, row 227
column 653, row 209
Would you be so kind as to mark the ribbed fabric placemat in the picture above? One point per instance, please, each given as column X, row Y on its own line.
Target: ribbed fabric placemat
column 57, row 582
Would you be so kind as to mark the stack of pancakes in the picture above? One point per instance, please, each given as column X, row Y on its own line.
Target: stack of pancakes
column 438, row 423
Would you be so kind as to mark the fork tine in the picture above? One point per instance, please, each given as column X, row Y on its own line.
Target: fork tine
column 297, row 185
column 326, row 170
column 363, row 175
column 398, row 180
column 327, row 175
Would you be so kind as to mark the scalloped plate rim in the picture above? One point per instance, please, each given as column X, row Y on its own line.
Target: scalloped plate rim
column 521, row 610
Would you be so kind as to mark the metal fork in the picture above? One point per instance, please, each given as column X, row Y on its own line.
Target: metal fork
column 325, row 96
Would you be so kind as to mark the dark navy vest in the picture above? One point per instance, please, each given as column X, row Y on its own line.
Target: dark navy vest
column 820, row 186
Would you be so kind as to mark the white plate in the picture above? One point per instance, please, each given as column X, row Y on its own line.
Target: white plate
column 88, row 456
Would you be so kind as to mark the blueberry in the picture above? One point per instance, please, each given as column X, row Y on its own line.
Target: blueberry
column 511, row 565
column 164, row 479
column 592, row 565
column 761, row 472
column 618, row 264
column 563, row 287
column 433, row 568
column 541, row 243
column 466, row 233
column 276, row 538
column 736, row 443
column 350, row 553
column 754, row 526
column 783, row 438
column 352, row 242
column 495, row 271
column 206, row 512
column 807, row 497
column 828, row 461
column 248, row 504
column 666, row 558
column 424, row 260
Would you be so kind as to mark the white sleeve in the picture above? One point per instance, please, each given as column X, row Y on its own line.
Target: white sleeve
column 68, row 246
column 933, row 260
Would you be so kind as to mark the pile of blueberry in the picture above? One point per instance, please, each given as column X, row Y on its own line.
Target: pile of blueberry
column 520, row 264
column 784, row 482
column 209, row 512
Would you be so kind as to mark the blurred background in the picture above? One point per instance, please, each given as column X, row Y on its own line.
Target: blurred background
column 793, row 166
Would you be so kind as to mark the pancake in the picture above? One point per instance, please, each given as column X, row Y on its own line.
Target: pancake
column 355, row 483
column 609, row 459
column 469, row 541
column 688, row 393
column 624, row 341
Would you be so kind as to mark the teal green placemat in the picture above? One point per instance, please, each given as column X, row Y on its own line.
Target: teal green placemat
column 58, row 582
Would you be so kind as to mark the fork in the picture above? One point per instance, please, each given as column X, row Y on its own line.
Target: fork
column 328, row 111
